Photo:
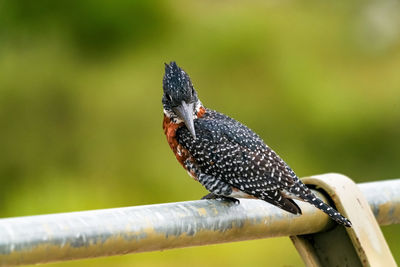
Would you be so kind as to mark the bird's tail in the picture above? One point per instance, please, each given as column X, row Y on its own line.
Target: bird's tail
column 302, row 192
column 334, row 214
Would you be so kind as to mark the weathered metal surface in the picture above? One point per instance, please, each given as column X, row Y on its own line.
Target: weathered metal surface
column 384, row 199
column 146, row 228
column 361, row 245
column 76, row 235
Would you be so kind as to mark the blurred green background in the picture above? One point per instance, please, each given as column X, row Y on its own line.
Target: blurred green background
column 81, row 114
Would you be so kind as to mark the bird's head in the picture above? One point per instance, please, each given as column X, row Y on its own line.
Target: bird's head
column 180, row 100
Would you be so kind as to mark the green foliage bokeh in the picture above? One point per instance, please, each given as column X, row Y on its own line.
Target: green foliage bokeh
column 80, row 101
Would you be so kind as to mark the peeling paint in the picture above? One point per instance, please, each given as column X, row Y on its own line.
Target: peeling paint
column 202, row 211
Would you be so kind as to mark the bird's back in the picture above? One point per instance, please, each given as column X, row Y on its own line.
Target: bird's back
column 230, row 151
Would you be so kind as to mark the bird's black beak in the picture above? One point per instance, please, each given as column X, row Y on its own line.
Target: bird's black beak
column 185, row 112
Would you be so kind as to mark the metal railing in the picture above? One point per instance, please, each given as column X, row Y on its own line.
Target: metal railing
column 76, row 235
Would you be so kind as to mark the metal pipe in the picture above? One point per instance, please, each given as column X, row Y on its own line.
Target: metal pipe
column 384, row 199
column 76, row 235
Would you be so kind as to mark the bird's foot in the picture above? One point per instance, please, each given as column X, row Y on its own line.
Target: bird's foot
column 210, row 196
column 222, row 198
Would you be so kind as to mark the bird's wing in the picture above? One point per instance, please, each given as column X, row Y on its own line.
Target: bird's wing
column 228, row 150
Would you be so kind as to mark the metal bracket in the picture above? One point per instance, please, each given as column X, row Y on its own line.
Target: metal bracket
column 361, row 245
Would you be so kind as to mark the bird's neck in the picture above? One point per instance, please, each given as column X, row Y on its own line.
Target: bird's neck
column 171, row 124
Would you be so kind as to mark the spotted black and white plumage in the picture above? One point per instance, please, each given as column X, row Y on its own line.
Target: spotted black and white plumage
column 225, row 156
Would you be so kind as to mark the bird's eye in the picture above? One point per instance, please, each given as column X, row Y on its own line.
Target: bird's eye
column 193, row 91
column 169, row 97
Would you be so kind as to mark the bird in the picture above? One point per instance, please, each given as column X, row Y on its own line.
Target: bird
column 226, row 157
